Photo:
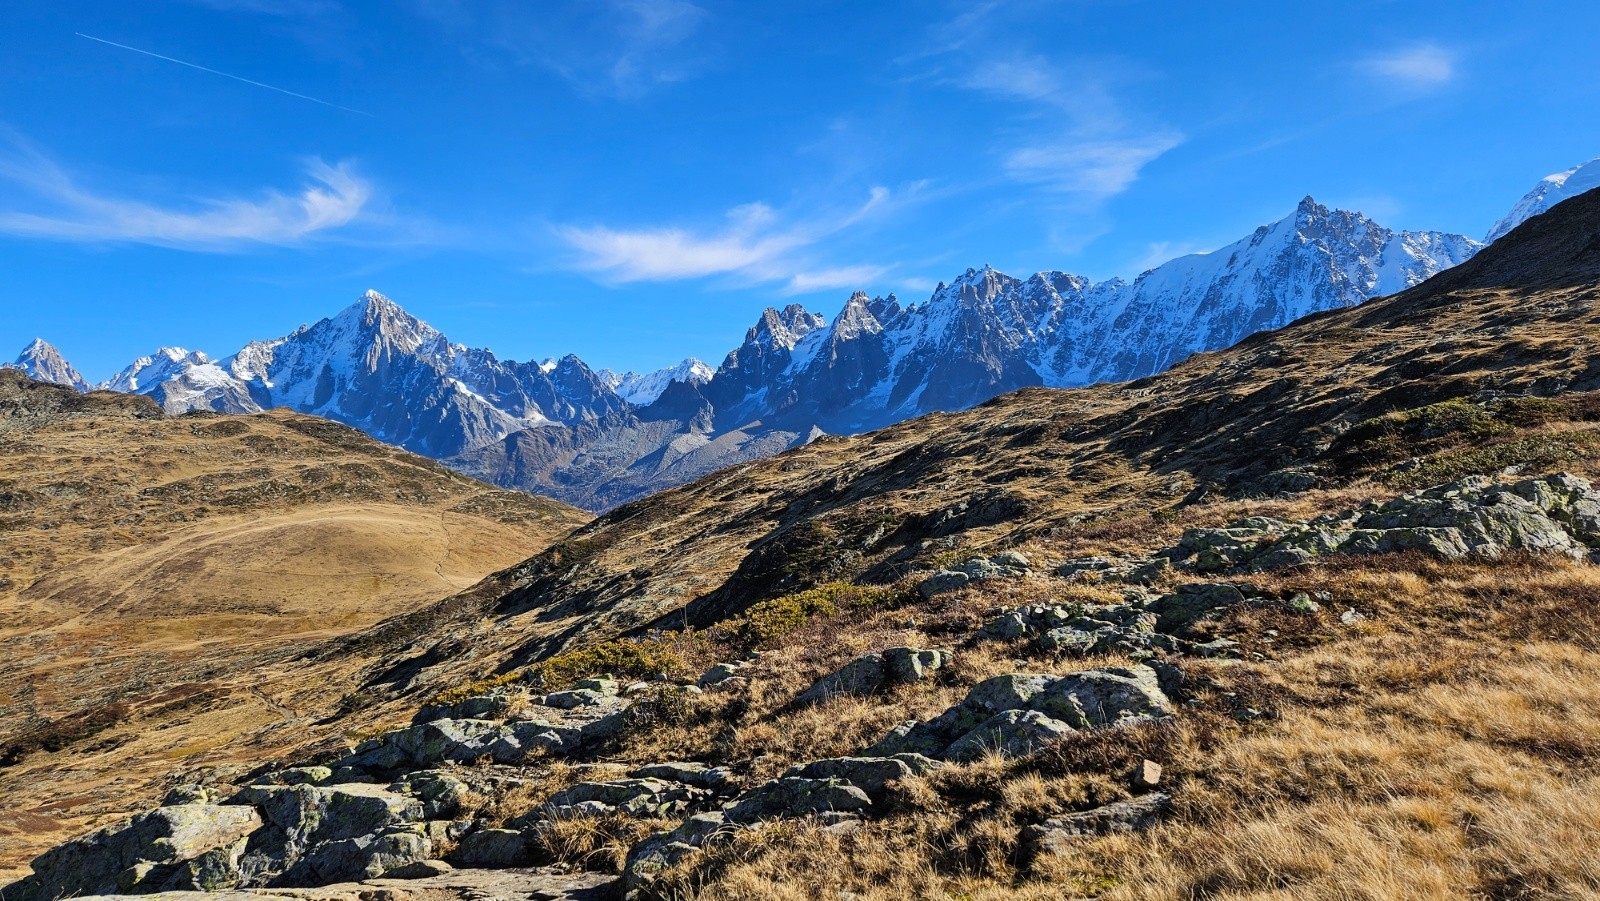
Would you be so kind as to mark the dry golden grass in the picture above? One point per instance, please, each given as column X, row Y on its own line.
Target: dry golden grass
column 160, row 576
column 1443, row 748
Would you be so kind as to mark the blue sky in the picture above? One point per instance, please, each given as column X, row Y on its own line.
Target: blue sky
column 633, row 180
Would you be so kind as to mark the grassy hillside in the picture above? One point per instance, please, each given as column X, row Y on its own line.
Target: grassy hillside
column 150, row 566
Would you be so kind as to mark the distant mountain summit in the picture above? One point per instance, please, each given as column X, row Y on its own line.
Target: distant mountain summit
column 1551, row 190
column 641, row 390
column 378, row 368
column 41, row 361
column 596, row 439
column 986, row 332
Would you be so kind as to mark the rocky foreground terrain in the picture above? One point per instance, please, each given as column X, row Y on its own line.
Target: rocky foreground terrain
column 1312, row 617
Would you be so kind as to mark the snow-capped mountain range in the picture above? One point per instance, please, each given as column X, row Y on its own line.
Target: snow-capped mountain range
column 598, row 439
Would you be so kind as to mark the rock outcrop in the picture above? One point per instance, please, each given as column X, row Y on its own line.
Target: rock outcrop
column 1471, row 518
column 1009, row 564
column 1018, row 713
column 873, row 673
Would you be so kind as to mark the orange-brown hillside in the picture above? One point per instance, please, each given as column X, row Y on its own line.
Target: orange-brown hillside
column 151, row 564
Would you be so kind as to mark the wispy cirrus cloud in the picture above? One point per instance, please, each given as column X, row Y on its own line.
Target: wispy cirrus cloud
column 52, row 204
column 614, row 48
column 1091, row 146
column 1420, row 68
column 756, row 244
column 1092, row 167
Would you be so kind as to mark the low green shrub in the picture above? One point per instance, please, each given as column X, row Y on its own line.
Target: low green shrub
column 771, row 619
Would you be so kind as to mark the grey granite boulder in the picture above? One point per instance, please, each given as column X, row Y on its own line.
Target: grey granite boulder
column 871, row 673
column 1058, row 834
column 493, row 849
column 795, row 796
column 1012, row 733
column 182, row 847
column 994, row 712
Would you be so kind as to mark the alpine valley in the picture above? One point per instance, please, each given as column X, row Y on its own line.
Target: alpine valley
column 596, row 440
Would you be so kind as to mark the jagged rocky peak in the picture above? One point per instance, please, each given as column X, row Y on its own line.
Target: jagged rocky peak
column 376, row 316
column 976, row 287
column 42, row 362
column 784, row 328
column 857, row 318
column 1551, row 190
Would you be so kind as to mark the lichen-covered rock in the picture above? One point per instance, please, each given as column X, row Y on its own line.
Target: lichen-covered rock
column 544, row 729
column 1012, row 733
column 426, row 744
column 491, row 705
column 441, row 793
column 720, row 673
column 1088, row 699
column 650, row 856
column 301, row 775
column 493, row 849
column 1193, row 602
column 636, row 797
column 795, row 796
column 1057, row 834
column 1473, row 517
column 860, row 677
column 149, row 852
column 870, row 774
column 355, row 859
column 577, row 697
column 943, row 582
column 904, row 665
column 312, row 814
column 1104, row 697
column 1012, row 560
column 696, row 774
column 871, row 673
column 188, row 794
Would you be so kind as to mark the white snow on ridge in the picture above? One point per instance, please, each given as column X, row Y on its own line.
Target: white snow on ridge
column 1551, row 190
column 644, row 390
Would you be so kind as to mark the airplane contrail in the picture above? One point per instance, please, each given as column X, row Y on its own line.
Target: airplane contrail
column 224, row 74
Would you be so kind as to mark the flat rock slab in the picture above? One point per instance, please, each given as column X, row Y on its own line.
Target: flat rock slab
column 476, row 885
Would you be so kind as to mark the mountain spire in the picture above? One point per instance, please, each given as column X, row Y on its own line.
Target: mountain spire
column 42, row 362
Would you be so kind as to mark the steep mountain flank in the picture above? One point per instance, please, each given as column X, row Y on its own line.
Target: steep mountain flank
column 153, row 567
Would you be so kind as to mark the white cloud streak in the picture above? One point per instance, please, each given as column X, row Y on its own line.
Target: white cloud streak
column 62, row 209
column 1093, row 150
column 1421, row 68
column 756, row 245
column 1095, row 168
column 612, row 48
